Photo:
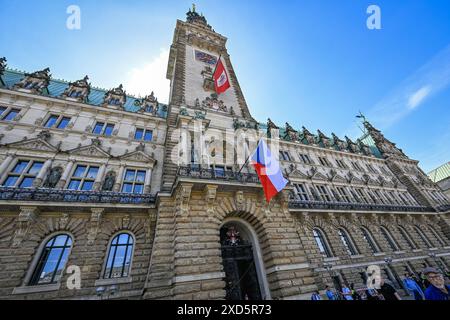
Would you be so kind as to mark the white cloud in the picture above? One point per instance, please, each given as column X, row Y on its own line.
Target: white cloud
column 418, row 97
column 141, row 81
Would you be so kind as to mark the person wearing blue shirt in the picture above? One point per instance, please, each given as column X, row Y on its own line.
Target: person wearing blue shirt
column 316, row 296
column 329, row 293
column 413, row 287
column 437, row 291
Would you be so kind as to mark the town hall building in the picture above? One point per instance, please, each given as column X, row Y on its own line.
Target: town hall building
column 121, row 190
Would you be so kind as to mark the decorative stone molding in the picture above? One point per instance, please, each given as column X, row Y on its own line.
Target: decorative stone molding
column 27, row 217
column 210, row 198
column 183, row 197
column 95, row 223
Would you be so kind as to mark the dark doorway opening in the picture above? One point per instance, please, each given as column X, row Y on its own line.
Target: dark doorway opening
column 240, row 271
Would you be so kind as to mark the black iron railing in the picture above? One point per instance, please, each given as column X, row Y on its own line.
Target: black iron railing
column 51, row 195
column 443, row 208
column 299, row 204
column 217, row 174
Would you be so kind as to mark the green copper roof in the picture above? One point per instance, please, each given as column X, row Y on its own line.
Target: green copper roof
column 440, row 173
column 57, row 87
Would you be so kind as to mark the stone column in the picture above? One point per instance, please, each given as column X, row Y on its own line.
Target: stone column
column 5, row 165
column 65, row 175
column 119, row 179
column 148, row 181
column 99, row 178
column 41, row 175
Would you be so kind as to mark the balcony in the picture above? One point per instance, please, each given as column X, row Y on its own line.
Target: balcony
column 217, row 174
column 443, row 208
column 69, row 196
column 319, row 205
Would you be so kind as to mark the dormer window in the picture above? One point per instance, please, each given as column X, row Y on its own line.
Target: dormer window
column 37, row 81
column 78, row 90
column 115, row 97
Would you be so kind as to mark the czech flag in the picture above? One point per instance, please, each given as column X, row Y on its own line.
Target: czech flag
column 221, row 80
column 269, row 171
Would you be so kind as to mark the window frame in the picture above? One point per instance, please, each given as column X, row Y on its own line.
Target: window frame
column 37, row 258
column 347, row 242
column 303, row 193
column 23, row 174
column 84, row 178
column 105, row 125
column 321, row 235
column 144, row 133
column 59, row 120
column 134, row 183
column 392, row 242
column 108, row 252
column 5, row 114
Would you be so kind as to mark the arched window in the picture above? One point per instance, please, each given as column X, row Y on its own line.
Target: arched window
column 370, row 240
column 423, row 237
column 322, row 243
column 347, row 242
column 407, row 238
column 390, row 240
column 441, row 240
column 52, row 260
column 119, row 257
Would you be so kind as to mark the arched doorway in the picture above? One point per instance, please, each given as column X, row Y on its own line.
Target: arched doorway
column 244, row 273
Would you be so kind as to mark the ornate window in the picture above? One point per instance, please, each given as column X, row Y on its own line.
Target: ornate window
column 23, row 174
column 284, row 155
column 324, row 162
column 362, row 196
column 343, row 194
column 56, row 121
column 322, row 244
column 347, row 242
column 367, row 235
column 10, row 115
column 52, row 260
column 305, row 159
column 323, row 193
column 301, row 192
column 102, row 128
column 143, row 135
column 83, row 178
column 390, row 240
column 407, row 238
column 341, row 164
column 437, row 236
column 133, row 181
column 423, row 236
column 119, row 257
column 379, row 196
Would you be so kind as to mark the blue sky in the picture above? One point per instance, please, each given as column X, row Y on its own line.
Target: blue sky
column 308, row 62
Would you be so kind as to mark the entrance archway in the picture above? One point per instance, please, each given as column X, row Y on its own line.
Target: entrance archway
column 242, row 261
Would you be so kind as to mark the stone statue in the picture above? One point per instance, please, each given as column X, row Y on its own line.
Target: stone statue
column 53, row 177
column 109, row 182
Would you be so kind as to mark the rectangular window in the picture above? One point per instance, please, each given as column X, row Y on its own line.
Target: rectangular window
column 63, row 123
column 133, row 181
column 301, row 192
column 356, row 166
column 341, row 164
column 11, row 115
column 362, row 195
column 372, row 169
column 56, row 121
column 323, row 193
column 305, row 159
column 143, row 134
column 284, row 155
column 103, row 129
column 379, row 196
column 83, row 178
column 23, row 174
column 324, row 162
column 343, row 193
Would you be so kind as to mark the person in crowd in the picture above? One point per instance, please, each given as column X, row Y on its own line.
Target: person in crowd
column 388, row 291
column 437, row 289
column 330, row 294
column 413, row 288
column 346, row 292
column 355, row 294
column 316, row 296
column 372, row 294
